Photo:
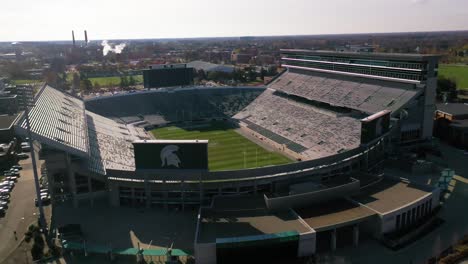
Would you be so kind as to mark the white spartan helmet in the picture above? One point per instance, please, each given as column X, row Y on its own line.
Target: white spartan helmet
column 168, row 156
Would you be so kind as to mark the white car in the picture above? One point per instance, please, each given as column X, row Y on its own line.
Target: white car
column 45, row 199
column 18, row 167
column 22, row 155
column 5, row 190
column 12, row 178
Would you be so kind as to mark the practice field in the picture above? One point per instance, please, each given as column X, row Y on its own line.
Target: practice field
column 227, row 150
column 457, row 72
column 113, row 81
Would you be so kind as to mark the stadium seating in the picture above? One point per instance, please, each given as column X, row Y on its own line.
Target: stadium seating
column 184, row 104
column 358, row 94
column 304, row 129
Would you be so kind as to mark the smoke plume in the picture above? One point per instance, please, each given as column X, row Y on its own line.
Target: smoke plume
column 108, row 47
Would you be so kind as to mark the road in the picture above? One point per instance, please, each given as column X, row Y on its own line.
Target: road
column 449, row 233
column 21, row 212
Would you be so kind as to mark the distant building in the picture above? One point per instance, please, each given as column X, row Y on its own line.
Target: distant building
column 17, row 97
column 242, row 58
column 210, row 67
column 7, row 123
column 355, row 48
column 451, row 124
column 8, row 103
column 265, row 59
column 167, row 75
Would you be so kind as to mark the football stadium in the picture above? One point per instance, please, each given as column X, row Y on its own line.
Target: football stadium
column 295, row 166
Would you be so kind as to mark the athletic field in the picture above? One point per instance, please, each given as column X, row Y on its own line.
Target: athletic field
column 457, row 72
column 227, row 150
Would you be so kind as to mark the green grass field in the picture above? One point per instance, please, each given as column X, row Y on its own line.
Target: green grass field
column 458, row 73
column 113, row 81
column 226, row 147
column 20, row 82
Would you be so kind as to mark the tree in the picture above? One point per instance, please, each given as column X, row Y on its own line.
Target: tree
column 131, row 81
column 201, row 74
column 97, row 86
column 263, row 72
column 76, row 81
column 446, row 89
column 123, row 82
column 86, row 85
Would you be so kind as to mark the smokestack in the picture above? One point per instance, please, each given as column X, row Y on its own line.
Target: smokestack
column 73, row 37
column 86, row 38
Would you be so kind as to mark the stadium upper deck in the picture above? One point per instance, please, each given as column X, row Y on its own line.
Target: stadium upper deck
column 61, row 121
column 342, row 91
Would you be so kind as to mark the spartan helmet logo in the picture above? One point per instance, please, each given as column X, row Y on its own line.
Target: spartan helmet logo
column 168, row 157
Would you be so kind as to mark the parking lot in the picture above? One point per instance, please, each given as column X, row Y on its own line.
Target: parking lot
column 20, row 211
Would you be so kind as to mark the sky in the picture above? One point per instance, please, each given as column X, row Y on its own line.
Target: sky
column 37, row 20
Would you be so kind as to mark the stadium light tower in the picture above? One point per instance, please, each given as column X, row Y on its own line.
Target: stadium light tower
column 29, row 101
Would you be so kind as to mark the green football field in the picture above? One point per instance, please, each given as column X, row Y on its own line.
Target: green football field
column 113, row 80
column 456, row 72
column 227, row 150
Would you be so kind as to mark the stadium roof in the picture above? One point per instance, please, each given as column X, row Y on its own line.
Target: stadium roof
column 454, row 109
column 332, row 214
column 7, row 121
column 388, row 195
column 60, row 120
column 241, row 217
column 210, row 67
column 369, row 55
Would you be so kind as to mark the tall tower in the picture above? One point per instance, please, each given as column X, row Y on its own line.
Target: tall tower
column 86, row 38
column 73, row 37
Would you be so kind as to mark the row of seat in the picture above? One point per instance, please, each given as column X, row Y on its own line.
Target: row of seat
column 322, row 134
column 363, row 96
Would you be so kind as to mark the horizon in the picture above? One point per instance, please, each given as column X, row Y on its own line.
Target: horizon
column 53, row 20
column 239, row 36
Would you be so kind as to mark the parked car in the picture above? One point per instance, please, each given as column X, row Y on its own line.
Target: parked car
column 12, row 178
column 45, row 200
column 2, row 211
column 22, row 155
column 5, row 197
column 5, row 190
column 3, row 204
column 18, row 167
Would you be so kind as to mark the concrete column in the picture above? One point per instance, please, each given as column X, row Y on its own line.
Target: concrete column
column 133, row 196
column 182, row 196
column 147, row 193
column 255, row 186
column 71, row 178
column 114, row 194
column 333, row 240
column 201, row 188
column 90, row 192
column 356, row 235
column 166, row 195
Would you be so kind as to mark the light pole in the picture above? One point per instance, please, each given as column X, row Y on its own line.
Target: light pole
column 42, row 221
